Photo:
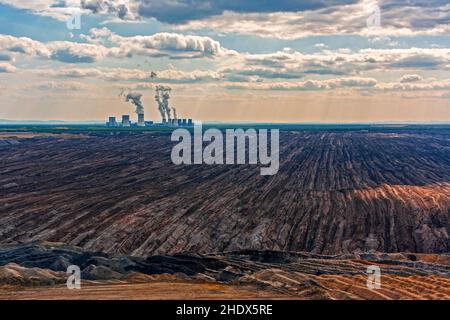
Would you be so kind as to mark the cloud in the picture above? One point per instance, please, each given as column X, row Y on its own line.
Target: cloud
column 445, row 95
column 286, row 19
column 268, row 73
column 320, row 45
column 290, row 64
column 120, row 8
column 63, row 9
column 397, row 19
column 407, row 78
column 309, row 85
column 5, row 57
column 229, row 80
column 361, row 85
column 421, row 61
column 72, row 52
column 171, row 45
column 159, row 43
column 437, row 85
column 187, row 10
column 286, row 64
column 122, row 74
column 23, row 45
column 169, row 11
column 7, row 68
column 60, row 86
column 57, row 9
column 65, row 51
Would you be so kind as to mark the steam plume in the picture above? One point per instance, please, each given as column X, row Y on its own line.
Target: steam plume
column 162, row 98
column 135, row 99
column 174, row 113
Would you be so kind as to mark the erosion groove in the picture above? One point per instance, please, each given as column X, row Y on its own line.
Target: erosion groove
column 335, row 192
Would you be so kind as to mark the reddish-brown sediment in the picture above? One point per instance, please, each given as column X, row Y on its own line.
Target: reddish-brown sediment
column 142, row 291
column 30, row 268
column 331, row 287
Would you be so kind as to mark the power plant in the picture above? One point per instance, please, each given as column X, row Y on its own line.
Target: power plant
column 141, row 121
column 126, row 121
column 112, row 122
column 168, row 113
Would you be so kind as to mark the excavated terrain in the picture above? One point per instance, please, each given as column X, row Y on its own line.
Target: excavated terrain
column 36, row 271
column 335, row 193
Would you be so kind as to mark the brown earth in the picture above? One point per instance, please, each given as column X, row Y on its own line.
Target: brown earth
column 335, row 192
column 244, row 274
column 312, row 287
column 30, row 135
column 143, row 291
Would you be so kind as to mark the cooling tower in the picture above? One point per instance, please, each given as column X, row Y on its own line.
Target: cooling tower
column 112, row 122
column 141, row 121
column 126, row 120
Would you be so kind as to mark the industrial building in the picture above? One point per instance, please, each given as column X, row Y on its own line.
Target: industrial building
column 141, row 121
column 126, row 121
column 112, row 122
column 169, row 116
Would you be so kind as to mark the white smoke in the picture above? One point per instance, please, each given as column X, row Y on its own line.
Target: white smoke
column 174, row 110
column 135, row 99
column 162, row 98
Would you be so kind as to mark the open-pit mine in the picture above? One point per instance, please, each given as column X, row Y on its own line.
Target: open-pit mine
column 136, row 224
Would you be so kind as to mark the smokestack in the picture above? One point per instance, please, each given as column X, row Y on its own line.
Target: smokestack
column 125, row 120
column 190, row 122
column 141, row 121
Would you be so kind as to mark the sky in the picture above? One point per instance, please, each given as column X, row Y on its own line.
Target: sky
column 227, row 60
